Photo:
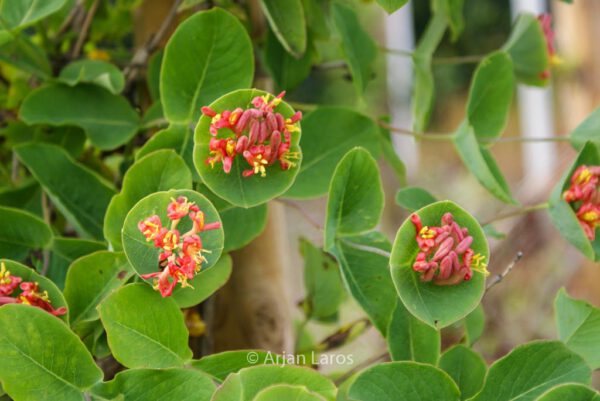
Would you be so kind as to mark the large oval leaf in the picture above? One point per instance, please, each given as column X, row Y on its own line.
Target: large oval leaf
column 547, row 363
column 578, row 325
column 233, row 187
column 145, row 330
column 64, row 252
column 209, row 55
column 287, row 71
column 21, row 13
column 223, row 364
column 288, row 23
column 247, row 383
column 406, row 381
column 438, row 306
column 159, row 171
column 21, row 232
column 96, row 72
column 55, row 297
column 157, row 385
column 570, row 392
column 466, row 367
column 107, row 119
column 42, row 360
column 78, row 192
column 355, row 199
column 328, row 133
column 91, row 279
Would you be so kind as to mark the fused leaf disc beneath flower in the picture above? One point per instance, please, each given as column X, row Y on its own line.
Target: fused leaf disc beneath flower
column 435, row 304
column 143, row 254
column 262, row 185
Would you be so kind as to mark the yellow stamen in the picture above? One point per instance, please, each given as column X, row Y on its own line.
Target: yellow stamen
column 591, row 217
column 584, row 177
column 427, row 233
column 215, row 119
column 478, row 263
column 4, row 275
column 259, row 166
column 230, row 147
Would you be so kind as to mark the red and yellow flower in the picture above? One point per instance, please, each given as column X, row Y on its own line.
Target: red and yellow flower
column 584, row 197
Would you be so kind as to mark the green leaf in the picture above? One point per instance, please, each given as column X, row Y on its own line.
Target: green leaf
column 570, row 392
column 21, row 13
column 286, row 392
column 238, row 235
column 96, row 72
column 481, row 164
column 316, row 18
column 64, row 252
column 406, row 381
column 578, row 325
column 159, row 171
column 528, row 49
column 91, row 279
column 324, row 289
column 42, row 360
column 288, row 24
column 466, row 367
column 157, row 385
column 206, row 283
column 474, row 325
column 562, row 214
column 233, row 187
column 153, row 74
column 144, row 330
column 79, row 193
column 107, row 119
column 365, row 268
column 26, row 195
column 437, row 305
column 287, row 71
column 587, row 131
column 355, row 199
column 21, row 232
column 247, row 383
column 409, row 339
column 392, row 5
column 547, row 363
column 209, row 55
column 390, row 155
column 28, row 274
column 223, row 364
column 27, row 56
column 490, row 96
column 453, row 10
column 345, row 130
column 414, row 198
column 424, row 89
column 143, row 255
column 357, row 45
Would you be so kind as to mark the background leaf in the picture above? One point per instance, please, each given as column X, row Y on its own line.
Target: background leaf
column 79, row 193
column 414, row 198
column 41, row 359
column 287, row 71
column 97, row 72
column 223, row 364
column 438, row 306
column 26, row 55
column 474, row 324
column 64, row 251
column 547, row 363
column 392, row 5
column 21, row 232
column 145, row 330
column 21, row 13
column 466, row 367
column 288, row 24
column 107, row 119
column 178, row 137
column 571, row 392
column 286, row 392
column 587, row 131
column 209, row 55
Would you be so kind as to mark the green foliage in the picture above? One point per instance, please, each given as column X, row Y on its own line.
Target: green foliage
column 438, row 306
column 587, row 131
column 466, row 367
column 38, row 348
column 22, row 13
column 571, row 392
column 474, row 325
column 221, row 365
column 96, row 72
column 392, row 5
column 21, row 232
column 287, row 71
column 288, row 24
column 414, row 198
column 149, row 333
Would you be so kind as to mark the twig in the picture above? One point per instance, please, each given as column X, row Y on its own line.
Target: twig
column 360, row 367
column 515, row 213
column 432, row 136
column 45, row 252
column 84, row 29
column 303, row 212
column 70, row 18
column 436, row 60
column 368, row 248
column 499, row 277
column 141, row 56
column 15, row 168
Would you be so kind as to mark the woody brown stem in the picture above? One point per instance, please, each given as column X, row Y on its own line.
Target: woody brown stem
column 499, row 277
column 84, row 29
column 516, row 213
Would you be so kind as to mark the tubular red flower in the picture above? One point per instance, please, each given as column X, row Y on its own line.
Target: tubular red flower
column 545, row 21
column 584, row 197
column 31, row 295
column 8, row 282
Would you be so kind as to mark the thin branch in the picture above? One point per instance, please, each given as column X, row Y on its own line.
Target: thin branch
column 360, row 367
column 70, row 18
column 142, row 55
column 436, row 60
column 523, row 139
column 499, row 277
column 15, row 168
column 368, row 248
column 82, row 35
column 515, row 213
column 432, row 136
column 303, row 212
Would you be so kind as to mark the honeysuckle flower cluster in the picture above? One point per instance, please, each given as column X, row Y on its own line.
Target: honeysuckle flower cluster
column 445, row 256
column 260, row 135
column 545, row 21
column 181, row 255
column 584, row 197
column 30, row 293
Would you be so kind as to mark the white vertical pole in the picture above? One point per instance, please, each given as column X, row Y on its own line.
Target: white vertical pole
column 399, row 34
column 536, row 120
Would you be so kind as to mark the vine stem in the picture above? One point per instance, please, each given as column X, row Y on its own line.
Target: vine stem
column 360, row 367
column 436, row 60
column 303, row 212
column 515, row 213
column 499, row 277
column 84, row 29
